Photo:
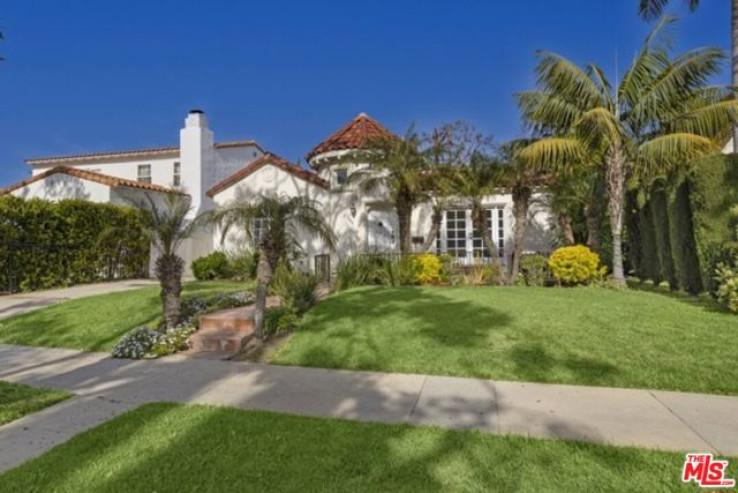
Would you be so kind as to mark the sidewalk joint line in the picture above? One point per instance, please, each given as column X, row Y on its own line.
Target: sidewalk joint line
column 673, row 413
column 417, row 399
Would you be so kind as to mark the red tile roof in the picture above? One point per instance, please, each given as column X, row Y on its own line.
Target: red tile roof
column 152, row 152
column 354, row 135
column 111, row 181
column 274, row 160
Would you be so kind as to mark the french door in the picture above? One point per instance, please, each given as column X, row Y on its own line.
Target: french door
column 461, row 240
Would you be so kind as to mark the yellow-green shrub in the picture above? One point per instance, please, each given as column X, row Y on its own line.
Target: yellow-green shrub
column 575, row 265
column 429, row 269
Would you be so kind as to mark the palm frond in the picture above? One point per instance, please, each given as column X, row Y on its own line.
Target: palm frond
column 560, row 76
column 558, row 155
column 662, row 154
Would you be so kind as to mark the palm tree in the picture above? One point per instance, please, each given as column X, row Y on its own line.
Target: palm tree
column 642, row 124
column 445, row 149
column 396, row 167
column 521, row 178
column 652, row 9
column 282, row 221
column 168, row 225
column 480, row 179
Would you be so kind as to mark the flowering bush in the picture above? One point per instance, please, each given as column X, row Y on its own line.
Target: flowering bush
column 576, row 265
column 429, row 268
column 727, row 292
column 145, row 343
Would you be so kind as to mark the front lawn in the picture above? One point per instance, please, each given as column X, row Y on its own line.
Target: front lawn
column 586, row 336
column 167, row 447
column 97, row 322
column 18, row 400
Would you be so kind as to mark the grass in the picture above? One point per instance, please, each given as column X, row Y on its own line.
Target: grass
column 18, row 400
column 97, row 322
column 586, row 336
column 168, row 447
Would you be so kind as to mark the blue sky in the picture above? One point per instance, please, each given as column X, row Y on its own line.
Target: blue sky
column 85, row 76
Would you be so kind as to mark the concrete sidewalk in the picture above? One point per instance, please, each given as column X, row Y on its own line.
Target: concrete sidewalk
column 106, row 387
column 15, row 304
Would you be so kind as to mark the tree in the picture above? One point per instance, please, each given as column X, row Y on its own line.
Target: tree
column 168, row 226
column 653, row 9
column 274, row 225
column 521, row 178
column 641, row 126
column 445, row 149
column 474, row 182
column 396, row 167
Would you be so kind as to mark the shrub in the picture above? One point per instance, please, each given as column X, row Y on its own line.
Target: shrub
column 400, row 272
column 279, row 319
column 296, row 289
column 480, row 275
column 212, row 266
column 534, row 269
column 575, row 265
column 145, row 343
column 244, row 263
column 429, row 269
column 357, row 270
column 726, row 278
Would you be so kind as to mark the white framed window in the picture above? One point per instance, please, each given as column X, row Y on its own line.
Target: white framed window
column 456, row 232
column 341, row 176
column 144, row 173
column 258, row 228
column 177, row 174
column 496, row 229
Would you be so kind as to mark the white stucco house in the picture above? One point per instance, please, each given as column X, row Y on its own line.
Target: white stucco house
column 214, row 174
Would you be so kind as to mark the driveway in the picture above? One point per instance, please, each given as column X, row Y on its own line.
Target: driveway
column 15, row 304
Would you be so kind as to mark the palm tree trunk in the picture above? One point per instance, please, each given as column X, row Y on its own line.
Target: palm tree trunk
column 565, row 228
column 404, row 214
column 734, row 65
column 594, row 212
column 435, row 228
column 264, row 273
column 521, row 204
column 616, row 169
column 169, row 270
column 479, row 222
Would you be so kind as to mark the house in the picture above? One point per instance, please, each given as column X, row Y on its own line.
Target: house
column 214, row 174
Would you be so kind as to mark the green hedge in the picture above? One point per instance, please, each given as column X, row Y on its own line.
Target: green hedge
column 714, row 191
column 49, row 244
column 681, row 235
column 662, row 236
column 684, row 225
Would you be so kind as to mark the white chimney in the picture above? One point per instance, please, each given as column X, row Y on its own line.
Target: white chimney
column 196, row 147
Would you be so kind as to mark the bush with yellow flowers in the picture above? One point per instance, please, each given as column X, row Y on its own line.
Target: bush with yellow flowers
column 576, row 265
column 429, row 269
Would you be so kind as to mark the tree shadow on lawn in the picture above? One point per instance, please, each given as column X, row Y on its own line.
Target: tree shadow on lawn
column 534, row 363
column 424, row 311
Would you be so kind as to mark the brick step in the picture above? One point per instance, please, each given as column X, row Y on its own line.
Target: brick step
column 217, row 342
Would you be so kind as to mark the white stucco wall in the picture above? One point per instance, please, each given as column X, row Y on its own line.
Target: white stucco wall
column 271, row 180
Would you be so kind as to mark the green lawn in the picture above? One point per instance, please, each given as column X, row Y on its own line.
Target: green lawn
column 167, row 447
column 18, row 400
column 97, row 322
column 587, row 336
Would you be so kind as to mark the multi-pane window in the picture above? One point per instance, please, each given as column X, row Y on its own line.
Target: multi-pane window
column 500, row 231
column 258, row 228
column 496, row 230
column 456, row 233
column 144, row 173
column 177, row 174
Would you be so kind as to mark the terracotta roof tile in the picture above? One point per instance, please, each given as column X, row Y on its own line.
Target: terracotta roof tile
column 354, row 135
column 274, row 160
column 152, row 152
column 111, row 181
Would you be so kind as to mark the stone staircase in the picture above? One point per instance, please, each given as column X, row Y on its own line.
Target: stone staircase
column 226, row 331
